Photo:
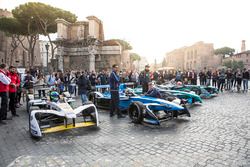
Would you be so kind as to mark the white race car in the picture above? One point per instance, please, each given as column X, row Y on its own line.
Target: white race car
column 59, row 116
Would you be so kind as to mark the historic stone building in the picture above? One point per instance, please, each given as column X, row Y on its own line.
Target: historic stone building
column 81, row 45
column 243, row 56
column 19, row 57
column 197, row 57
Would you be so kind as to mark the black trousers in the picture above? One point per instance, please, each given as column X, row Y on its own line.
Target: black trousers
column 115, row 102
column 144, row 87
column 40, row 93
column 4, row 105
column 18, row 97
column 12, row 103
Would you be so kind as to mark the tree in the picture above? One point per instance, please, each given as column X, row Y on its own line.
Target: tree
column 134, row 57
column 125, row 45
column 45, row 15
column 234, row 64
column 224, row 51
column 32, row 19
column 11, row 28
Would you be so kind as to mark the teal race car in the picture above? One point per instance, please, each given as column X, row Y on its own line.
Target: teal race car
column 189, row 97
column 202, row 91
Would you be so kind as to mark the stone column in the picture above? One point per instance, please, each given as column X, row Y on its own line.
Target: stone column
column 60, row 58
column 92, row 51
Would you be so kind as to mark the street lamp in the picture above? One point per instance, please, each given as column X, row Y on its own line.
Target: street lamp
column 47, row 49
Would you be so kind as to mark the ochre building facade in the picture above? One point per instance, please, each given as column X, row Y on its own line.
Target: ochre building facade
column 196, row 57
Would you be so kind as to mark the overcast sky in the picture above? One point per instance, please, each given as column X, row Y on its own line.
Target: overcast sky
column 154, row 27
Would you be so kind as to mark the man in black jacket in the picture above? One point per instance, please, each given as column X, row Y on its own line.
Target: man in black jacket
column 114, row 83
column 83, row 86
column 145, row 79
column 245, row 80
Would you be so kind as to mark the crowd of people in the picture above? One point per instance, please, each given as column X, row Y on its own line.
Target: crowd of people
column 13, row 84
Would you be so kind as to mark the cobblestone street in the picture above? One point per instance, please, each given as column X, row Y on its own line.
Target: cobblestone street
column 216, row 134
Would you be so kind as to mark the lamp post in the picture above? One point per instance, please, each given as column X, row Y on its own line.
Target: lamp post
column 47, row 60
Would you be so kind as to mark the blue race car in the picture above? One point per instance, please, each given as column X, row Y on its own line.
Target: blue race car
column 140, row 108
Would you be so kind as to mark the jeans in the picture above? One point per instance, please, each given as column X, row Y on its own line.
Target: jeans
column 84, row 98
column 229, row 84
column 245, row 85
column 208, row 82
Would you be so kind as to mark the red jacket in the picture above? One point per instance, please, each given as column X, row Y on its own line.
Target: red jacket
column 4, row 84
column 14, row 80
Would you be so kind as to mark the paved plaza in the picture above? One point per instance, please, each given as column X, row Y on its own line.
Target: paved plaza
column 217, row 134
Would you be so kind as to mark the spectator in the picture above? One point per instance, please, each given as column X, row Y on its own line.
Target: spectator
column 202, row 77
column 19, row 93
column 28, row 83
column 14, row 84
column 214, row 78
column 67, row 80
column 114, row 90
column 245, row 80
column 4, row 82
column 193, row 78
column 229, row 77
column 92, row 78
column 209, row 77
column 83, row 85
column 51, row 80
column 145, row 78
column 239, row 79
column 102, row 77
column 40, row 83
column 72, row 83
column 60, row 82
column 178, row 76
column 221, row 78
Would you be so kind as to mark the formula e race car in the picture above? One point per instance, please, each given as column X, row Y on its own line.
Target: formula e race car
column 58, row 115
column 190, row 97
column 202, row 91
column 141, row 108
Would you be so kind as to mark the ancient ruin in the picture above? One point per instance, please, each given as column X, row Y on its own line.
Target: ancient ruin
column 81, row 46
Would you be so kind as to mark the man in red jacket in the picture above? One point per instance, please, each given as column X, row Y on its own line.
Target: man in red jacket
column 15, row 82
column 4, row 88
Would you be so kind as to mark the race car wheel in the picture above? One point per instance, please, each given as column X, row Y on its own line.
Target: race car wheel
column 91, row 98
column 136, row 112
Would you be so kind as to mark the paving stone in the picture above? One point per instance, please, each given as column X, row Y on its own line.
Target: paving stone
column 217, row 134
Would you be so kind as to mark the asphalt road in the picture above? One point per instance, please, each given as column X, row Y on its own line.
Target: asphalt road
column 217, row 134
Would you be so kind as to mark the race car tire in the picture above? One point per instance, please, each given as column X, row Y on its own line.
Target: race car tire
column 135, row 112
column 91, row 98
